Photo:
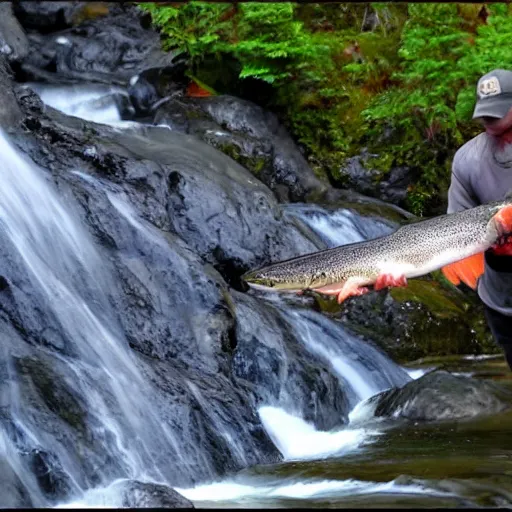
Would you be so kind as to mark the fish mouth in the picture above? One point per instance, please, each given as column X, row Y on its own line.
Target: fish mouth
column 254, row 278
column 258, row 280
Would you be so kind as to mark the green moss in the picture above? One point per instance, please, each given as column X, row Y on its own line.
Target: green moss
column 426, row 318
column 431, row 295
column 255, row 164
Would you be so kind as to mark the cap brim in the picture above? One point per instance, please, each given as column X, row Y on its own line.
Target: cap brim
column 492, row 107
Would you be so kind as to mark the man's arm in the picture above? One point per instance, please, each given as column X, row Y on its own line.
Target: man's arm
column 460, row 194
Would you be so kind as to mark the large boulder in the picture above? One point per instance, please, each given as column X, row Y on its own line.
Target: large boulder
column 439, row 395
column 135, row 494
column 253, row 137
column 358, row 174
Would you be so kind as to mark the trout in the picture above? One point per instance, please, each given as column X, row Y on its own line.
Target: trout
column 454, row 243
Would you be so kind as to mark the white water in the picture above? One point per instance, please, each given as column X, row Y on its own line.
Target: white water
column 65, row 270
column 91, row 102
column 52, row 245
column 364, row 369
column 253, row 493
column 339, row 227
column 309, row 489
column 298, row 440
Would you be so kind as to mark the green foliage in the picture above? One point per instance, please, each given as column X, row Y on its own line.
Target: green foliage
column 444, row 49
column 397, row 79
column 266, row 39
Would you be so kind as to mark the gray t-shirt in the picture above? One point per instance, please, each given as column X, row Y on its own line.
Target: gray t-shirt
column 478, row 178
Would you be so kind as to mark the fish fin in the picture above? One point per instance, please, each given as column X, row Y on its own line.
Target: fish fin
column 388, row 280
column 343, row 290
column 467, row 270
column 504, row 220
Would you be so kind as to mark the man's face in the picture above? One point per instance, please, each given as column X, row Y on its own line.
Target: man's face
column 497, row 126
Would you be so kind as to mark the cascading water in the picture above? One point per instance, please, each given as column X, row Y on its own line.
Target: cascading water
column 98, row 103
column 339, row 227
column 69, row 278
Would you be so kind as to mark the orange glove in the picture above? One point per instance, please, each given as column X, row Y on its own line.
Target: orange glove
column 503, row 247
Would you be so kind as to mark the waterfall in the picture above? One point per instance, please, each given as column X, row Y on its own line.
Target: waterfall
column 128, row 433
column 55, row 262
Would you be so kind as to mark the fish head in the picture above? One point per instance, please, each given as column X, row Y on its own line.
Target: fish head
column 283, row 276
column 267, row 278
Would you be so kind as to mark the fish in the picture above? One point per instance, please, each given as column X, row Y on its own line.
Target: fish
column 453, row 242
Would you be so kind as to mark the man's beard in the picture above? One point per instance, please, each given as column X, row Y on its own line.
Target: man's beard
column 503, row 150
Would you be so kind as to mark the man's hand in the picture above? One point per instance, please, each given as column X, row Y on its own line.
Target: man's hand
column 503, row 246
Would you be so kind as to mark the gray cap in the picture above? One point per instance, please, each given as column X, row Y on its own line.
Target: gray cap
column 494, row 94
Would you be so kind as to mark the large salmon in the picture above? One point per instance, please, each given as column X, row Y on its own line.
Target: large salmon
column 453, row 242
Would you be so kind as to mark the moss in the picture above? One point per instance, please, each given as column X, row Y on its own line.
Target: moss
column 255, row 164
column 431, row 295
column 382, row 211
column 90, row 11
column 426, row 318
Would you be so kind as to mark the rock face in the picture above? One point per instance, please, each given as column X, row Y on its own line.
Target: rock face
column 252, row 137
column 392, row 187
column 47, row 16
column 146, row 495
column 13, row 41
column 108, row 48
column 14, row 494
column 440, row 395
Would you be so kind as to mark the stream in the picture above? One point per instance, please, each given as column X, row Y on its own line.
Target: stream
column 282, row 418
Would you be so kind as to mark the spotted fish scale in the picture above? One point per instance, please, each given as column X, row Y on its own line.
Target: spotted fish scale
column 411, row 251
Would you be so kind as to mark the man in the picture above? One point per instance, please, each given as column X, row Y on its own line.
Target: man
column 482, row 172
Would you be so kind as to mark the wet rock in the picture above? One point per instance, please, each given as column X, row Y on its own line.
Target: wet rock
column 176, row 312
column 135, row 494
column 10, row 113
column 391, row 187
column 114, row 47
column 13, row 41
column 214, row 420
column 255, row 139
column 14, row 494
column 53, row 482
column 394, row 186
column 281, row 371
column 143, row 95
column 47, row 16
column 440, row 395
column 289, row 167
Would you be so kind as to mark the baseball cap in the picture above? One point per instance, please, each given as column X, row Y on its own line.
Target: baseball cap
column 494, row 94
